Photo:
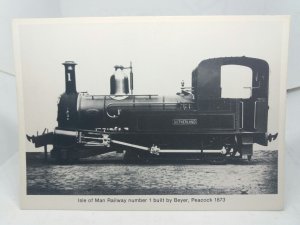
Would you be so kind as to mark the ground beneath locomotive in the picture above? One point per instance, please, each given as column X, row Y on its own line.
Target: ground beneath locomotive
column 109, row 175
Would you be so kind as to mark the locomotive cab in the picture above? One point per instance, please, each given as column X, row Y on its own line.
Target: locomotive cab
column 249, row 110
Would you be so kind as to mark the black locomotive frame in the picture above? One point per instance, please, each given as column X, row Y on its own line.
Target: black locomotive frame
column 196, row 121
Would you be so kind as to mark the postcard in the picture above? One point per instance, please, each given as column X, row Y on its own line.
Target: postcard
column 152, row 113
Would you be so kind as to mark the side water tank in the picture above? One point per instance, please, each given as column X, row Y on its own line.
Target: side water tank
column 119, row 84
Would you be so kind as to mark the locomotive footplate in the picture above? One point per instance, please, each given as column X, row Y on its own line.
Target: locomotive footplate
column 101, row 139
column 156, row 150
column 90, row 138
column 74, row 141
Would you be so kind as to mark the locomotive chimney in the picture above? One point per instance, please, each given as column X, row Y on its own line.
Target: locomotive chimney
column 70, row 77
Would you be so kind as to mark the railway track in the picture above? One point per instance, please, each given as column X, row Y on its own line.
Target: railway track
column 109, row 175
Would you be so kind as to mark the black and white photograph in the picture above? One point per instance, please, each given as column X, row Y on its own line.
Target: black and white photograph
column 152, row 112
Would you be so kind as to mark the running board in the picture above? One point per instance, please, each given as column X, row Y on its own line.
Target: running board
column 204, row 151
column 89, row 138
column 156, row 150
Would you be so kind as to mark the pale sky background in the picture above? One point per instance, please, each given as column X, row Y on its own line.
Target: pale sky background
column 163, row 51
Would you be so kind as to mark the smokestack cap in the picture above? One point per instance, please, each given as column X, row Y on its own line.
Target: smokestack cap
column 69, row 63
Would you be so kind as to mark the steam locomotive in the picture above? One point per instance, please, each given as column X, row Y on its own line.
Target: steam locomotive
column 197, row 121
